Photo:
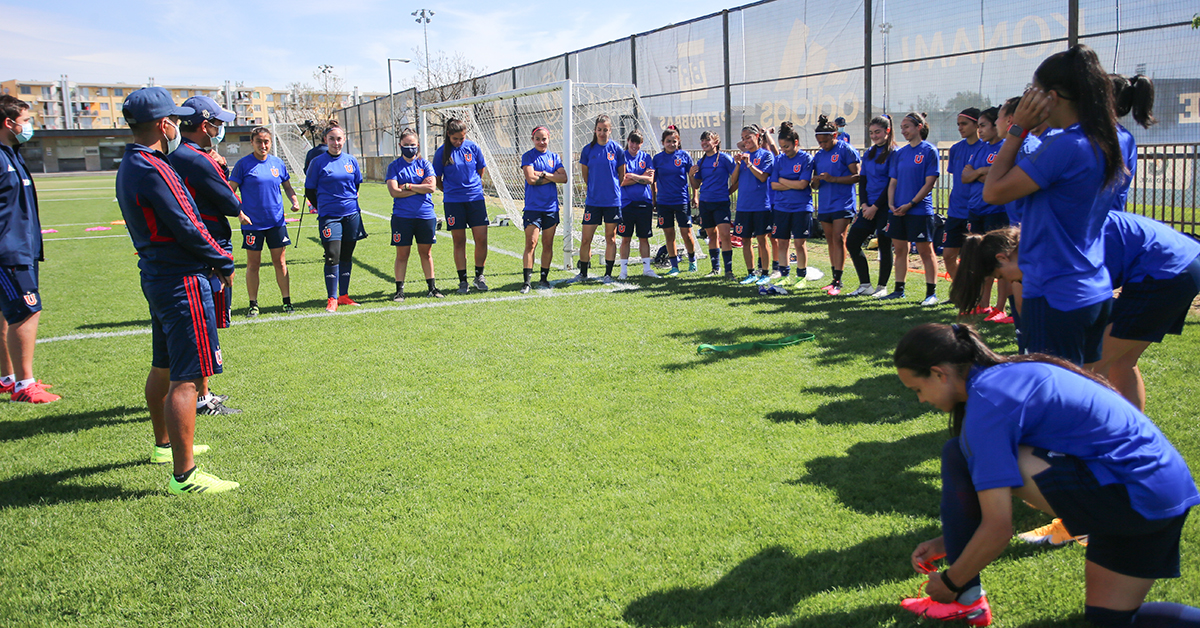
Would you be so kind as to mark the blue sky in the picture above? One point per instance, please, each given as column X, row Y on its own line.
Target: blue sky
column 275, row 43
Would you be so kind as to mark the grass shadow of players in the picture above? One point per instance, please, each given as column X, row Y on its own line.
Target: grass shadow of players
column 773, row 581
column 68, row 423
column 117, row 324
column 41, row 489
column 878, row 399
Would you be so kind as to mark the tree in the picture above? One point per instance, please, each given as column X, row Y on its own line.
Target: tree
column 319, row 103
column 966, row 100
column 447, row 77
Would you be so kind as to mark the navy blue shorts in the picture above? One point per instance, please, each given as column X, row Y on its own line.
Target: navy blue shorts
column 713, row 213
column 183, row 329
column 751, row 224
column 909, row 228
column 876, row 225
column 671, row 215
column 405, row 229
column 955, row 233
column 1075, row 336
column 1149, row 310
column 274, row 238
column 468, row 214
column 541, row 220
column 594, row 215
column 637, row 218
column 1119, row 537
column 841, row 214
column 983, row 223
column 791, row 225
column 339, row 227
column 222, row 298
column 19, row 297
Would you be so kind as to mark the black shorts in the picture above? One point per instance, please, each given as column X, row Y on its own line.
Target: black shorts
column 876, row 225
column 541, row 220
column 983, row 223
column 466, row 214
column 222, row 299
column 909, row 228
column 791, row 225
column 341, row 227
column 752, row 224
column 183, row 330
column 841, row 214
column 19, row 296
column 405, row 230
column 955, row 233
column 274, row 238
column 713, row 213
column 1149, row 310
column 671, row 215
column 1076, row 335
column 1119, row 538
column 637, row 218
column 594, row 215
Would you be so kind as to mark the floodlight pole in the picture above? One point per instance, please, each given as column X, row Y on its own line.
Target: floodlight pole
column 424, row 16
column 392, row 106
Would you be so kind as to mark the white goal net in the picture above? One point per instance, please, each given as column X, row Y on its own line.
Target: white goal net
column 290, row 145
column 501, row 125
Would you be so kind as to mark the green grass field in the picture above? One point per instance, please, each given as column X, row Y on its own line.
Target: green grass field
column 500, row 459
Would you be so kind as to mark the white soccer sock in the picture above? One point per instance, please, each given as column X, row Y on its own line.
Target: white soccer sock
column 9, row 380
column 21, row 385
column 625, row 264
column 645, row 264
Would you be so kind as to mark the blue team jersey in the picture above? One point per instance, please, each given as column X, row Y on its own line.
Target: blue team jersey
column 544, row 197
column 752, row 193
column 418, row 205
column 1137, row 248
column 714, row 177
column 843, row 136
column 262, row 195
column 1062, row 251
column 1129, row 154
column 876, row 176
column 798, row 168
column 460, row 177
column 671, row 178
column 1042, row 405
column 984, row 158
column 336, row 180
column 910, row 166
column 961, row 154
column 602, row 161
column 1029, row 146
column 636, row 164
column 834, row 197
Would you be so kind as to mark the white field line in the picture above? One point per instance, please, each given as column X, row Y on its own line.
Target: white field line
column 345, row 311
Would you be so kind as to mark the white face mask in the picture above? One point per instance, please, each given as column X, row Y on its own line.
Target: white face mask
column 220, row 136
column 173, row 143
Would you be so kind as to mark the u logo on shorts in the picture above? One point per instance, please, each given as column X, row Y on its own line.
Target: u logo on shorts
column 327, row 232
column 586, row 216
column 31, row 299
column 660, row 221
column 396, row 237
column 450, row 220
column 621, row 229
column 738, row 229
column 249, row 240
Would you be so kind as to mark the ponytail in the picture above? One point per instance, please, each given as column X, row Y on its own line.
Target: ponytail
column 961, row 347
column 977, row 261
column 1134, row 94
column 454, row 126
column 824, row 127
column 883, row 121
column 921, row 120
column 788, row 132
column 1078, row 77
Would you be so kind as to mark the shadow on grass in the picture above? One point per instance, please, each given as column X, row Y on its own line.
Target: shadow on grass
column 878, row 399
column 42, row 489
column 773, row 581
column 116, row 324
column 67, row 423
column 874, row 615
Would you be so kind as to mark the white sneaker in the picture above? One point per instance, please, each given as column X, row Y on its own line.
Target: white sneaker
column 623, row 275
column 863, row 289
column 774, row 275
column 607, row 279
column 930, row 300
column 649, row 272
column 880, row 292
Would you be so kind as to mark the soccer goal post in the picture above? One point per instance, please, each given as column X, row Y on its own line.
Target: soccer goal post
column 289, row 144
column 502, row 123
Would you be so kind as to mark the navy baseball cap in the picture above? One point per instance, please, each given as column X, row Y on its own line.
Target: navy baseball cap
column 151, row 103
column 840, row 121
column 206, row 109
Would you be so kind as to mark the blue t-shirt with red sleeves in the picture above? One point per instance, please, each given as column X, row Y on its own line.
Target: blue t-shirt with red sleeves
column 415, row 172
column 984, row 158
column 910, row 166
column 876, row 175
column 752, row 193
column 336, row 180
column 671, row 178
column 836, row 197
column 1137, row 248
column 544, row 197
column 602, row 161
column 636, row 164
column 1042, row 405
column 461, row 182
column 714, row 177
column 260, row 183
column 961, row 154
column 1062, row 248
column 798, row 168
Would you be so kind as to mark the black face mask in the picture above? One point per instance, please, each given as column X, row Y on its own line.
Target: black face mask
column 409, row 151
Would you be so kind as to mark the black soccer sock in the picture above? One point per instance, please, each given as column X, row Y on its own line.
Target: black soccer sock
column 837, row 277
column 774, row 265
column 608, row 266
column 166, row 445
column 583, row 268
column 714, row 256
column 545, row 274
column 429, row 282
column 802, row 271
column 727, row 257
column 899, row 286
column 253, row 303
column 183, row 477
column 478, row 271
column 287, row 300
column 462, row 276
column 527, row 273
column 399, row 286
column 930, row 289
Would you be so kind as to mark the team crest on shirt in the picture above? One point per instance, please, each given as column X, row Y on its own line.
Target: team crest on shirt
column 217, row 355
column 796, row 168
column 31, row 299
column 756, row 161
column 274, row 172
column 421, row 172
column 918, row 159
column 612, row 157
column 834, row 159
column 350, row 168
column 469, row 157
column 249, row 240
column 396, row 238
column 991, row 158
column 678, row 161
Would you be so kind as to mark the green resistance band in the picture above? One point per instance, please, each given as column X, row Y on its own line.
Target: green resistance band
column 786, row 341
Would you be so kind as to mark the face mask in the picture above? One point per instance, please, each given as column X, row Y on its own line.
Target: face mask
column 26, row 133
column 409, row 151
column 220, row 135
column 172, row 144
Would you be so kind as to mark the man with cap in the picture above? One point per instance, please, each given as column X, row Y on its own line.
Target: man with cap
column 176, row 256
column 206, row 181
column 20, row 252
column 842, row 135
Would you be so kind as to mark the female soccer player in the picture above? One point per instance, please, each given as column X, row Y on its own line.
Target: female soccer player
column 835, row 175
column 1041, row 429
column 459, row 166
column 752, row 168
column 873, row 209
column 1071, row 184
column 261, row 175
column 713, row 177
column 331, row 185
column 672, row 198
column 792, row 216
column 984, row 217
column 543, row 170
column 637, row 204
column 411, row 182
column 1131, row 95
column 913, row 171
column 602, row 163
column 960, row 193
